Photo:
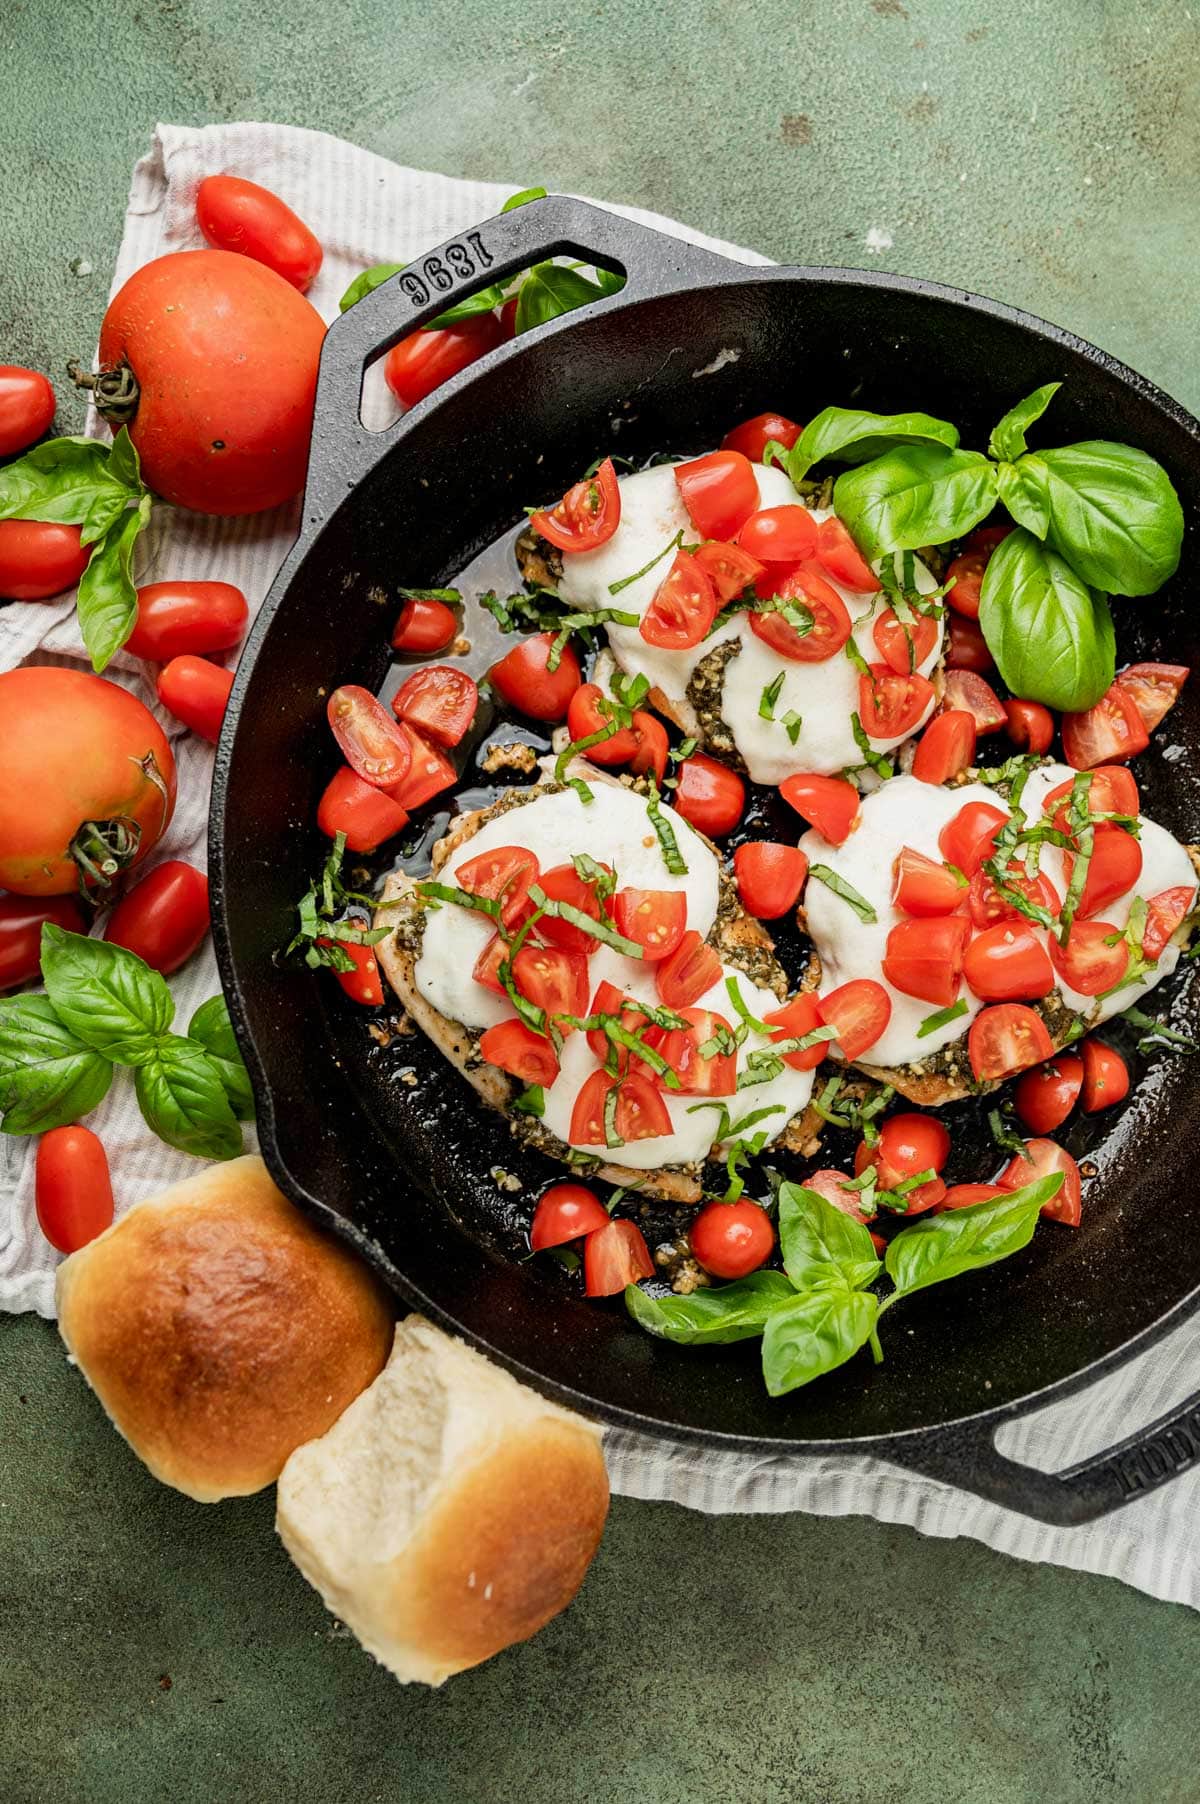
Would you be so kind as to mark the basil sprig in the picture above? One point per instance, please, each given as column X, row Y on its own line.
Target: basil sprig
column 99, row 488
column 820, row 1310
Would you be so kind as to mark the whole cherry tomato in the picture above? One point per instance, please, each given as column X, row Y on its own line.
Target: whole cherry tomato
column 21, row 933
column 1030, row 725
column 178, row 617
column 830, row 804
column 430, row 356
column 87, row 781
column 72, row 1187
column 26, row 407
column 584, row 717
column 770, row 877
column 164, row 917
column 39, row 559
column 236, row 215
column 525, row 681
column 753, row 436
column 1045, row 1096
column 732, row 1239
column 423, row 626
column 709, row 795
column 197, row 693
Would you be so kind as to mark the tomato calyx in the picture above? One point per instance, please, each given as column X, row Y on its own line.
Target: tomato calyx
column 103, row 849
column 114, row 393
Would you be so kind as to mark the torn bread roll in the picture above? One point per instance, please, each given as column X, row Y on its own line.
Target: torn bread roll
column 220, row 1329
column 449, row 1513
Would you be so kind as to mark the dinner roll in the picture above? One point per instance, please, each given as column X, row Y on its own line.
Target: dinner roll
column 449, row 1513
column 220, row 1329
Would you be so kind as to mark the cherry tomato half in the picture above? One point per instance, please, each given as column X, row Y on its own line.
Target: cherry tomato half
column 709, row 795
column 966, row 647
column 689, row 973
column 728, row 568
column 562, row 883
column 1088, row 963
column 439, row 702
column 197, row 693
column 1030, row 726
column 780, row 535
column 565, row 1212
column 21, row 919
column 1046, row 1156
column 970, row 838
column 428, row 357
column 891, row 706
column 966, row 574
column 516, row 1049
column 236, row 215
column 1152, row 688
column 753, row 436
column 553, row 978
column 424, row 626
column 989, row 906
column 831, row 623
column 1110, row 732
column 904, row 648
column 641, row 1113
column 838, row 553
column 830, row 804
column 946, row 747
column 1111, row 789
column 164, row 917
column 732, row 1239
column 429, row 771
column 1045, row 1096
column 1164, row 914
column 196, row 617
column 923, row 887
column 770, row 877
column 1008, row 963
column 967, row 691
column 588, row 514
column 1006, row 1039
column 655, row 919
column 39, row 559
column 359, row 810
column 371, row 742
column 1105, row 1076
column 719, row 491
column 614, row 1256
column 1113, row 869
column 924, row 958
column 683, row 607
column 795, row 1021
column 26, row 407
column 525, row 681
column 363, row 984
column 699, row 1073
column 73, row 1188
column 860, row 1010
column 650, row 753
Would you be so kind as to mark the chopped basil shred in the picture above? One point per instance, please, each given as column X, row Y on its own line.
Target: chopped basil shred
column 846, row 891
column 1006, row 1136
column 793, row 722
column 531, row 1101
column 673, row 545
column 883, row 767
column 769, row 696
column 672, row 857
column 451, row 596
column 597, row 929
column 611, row 1136
column 942, row 1018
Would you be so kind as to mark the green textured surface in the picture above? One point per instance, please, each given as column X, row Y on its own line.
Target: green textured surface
column 1043, row 152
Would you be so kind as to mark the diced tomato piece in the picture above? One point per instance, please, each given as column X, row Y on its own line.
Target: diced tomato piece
column 966, row 574
column 965, row 1196
column 1113, row 869
column 1030, row 726
column 651, row 751
column 795, row 1021
column 365, row 814
column 429, row 772
column 654, row 918
column 585, row 716
column 565, row 1212
column 691, row 971
column 888, row 1177
column 1045, row 1096
column 1164, row 914
column 752, row 437
column 1111, row 789
column 729, row 569
column 562, row 883
column 709, row 795
column 516, row 1049
column 831, row 1185
column 892, row 706
column 641, row 1113
column 699, row 1074
column 831, row 623
column 501, row 875
column 904, row 648
column 970, row 838
column 1046, row 1156
column 1088, row 963
column 1008, row 963
column 487, row 966
column 1110, row 732
column 1105, row 1076
column 1153, row 689
column 552, row 979
column 925, row 958
column 946, row 748
column 838, row 553
column 683, row 608
column 770, row 877
column 989, row 907
column 966, row 647
column 830, row 804
column 860, row 1010
column 1006, row 1039
column 523, row 677
column 966, row 691
column 923, row 887
column 614, row 1256
column 985, row 539
column 719, row 491
column 588, row 514
column 364, row 983
column 784, row 535
column 609, row 1000
column 439, row 701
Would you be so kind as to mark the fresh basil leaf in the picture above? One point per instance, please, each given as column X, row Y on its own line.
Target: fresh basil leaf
column 965, row 1240
column 915, row 495
column 820, row 1245
column 522, row 198
column 107, row 996
column 183, row 1099
column 1110, row 510
column 711, row 1317
column 107, row 602
column 1051, row 636
column 1023, row 493
column 549, row 291
column 124, row 464
column 59, row 481
column 1008, row 440
column 813, row 1334
column 486, row 301
column 48, row 1077
column 854, row 437
column 211, row 1026
column 608, row 281
column 105, row 511
column 367, row 281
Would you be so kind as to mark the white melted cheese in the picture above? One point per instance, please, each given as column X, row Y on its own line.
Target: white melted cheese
column 616, row 830
column 906, row 812
column 825, row 694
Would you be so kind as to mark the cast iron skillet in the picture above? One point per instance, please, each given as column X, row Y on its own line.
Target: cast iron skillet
column 691, row 344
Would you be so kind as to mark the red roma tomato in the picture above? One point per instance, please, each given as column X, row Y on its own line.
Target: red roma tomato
column 584, row 718
column 1007, row 1039
column 1044, row 1157
column 780, row 535
column 654, row 918
column 652, row 748
column 752, row 437
column 197, row 693
column 690, row 972
column 39, row 559
column 364, row 984
column 968, row 692
column 87, row 779
column 223, row 354
column 1153, row 689
column 966, row 647
column 552, row 978
column 840, row 556
column 891, row 706
column 186, row 617
column 1087, row 963
column 1008, row 964
column 1030, row 726
column 26, row 407
column 770, row 877
column 966, row 573
column 73, row 1188
column 860, row 1010
column 1045, row 1096
column 719, row 491
column 508, row 317
column 1111, row 789
column 831, row 623
column 699, row 1075
column 429, row 771
column 732, row 1239
column 164, row 917
column 523, row 679
column 520, row 1052
column 363, row 813
column 237, row 215
column 970, row 837
column 924, row 887
column 1105, row 1076
column 903, row 648
column 909, row 1143
column 562, row 883
column 1164, row 913
column 566, row 1212
column 946, row 747
column 728, row 568
column 989, row 907
column 683, row 608
column 588, row 514
column 830, row 804
column 795, row 1021
column 641, row 1113
column 965, row 1196
column 501, row 875
column 372, row 743
column 709, row 795
column 925, row 958
column 1110, row 732
column 424, row 627
column 614, row 1256
column 428, row 357
column 21, row 933
column 1114, row 868
column 439, row 702
column 986, row 538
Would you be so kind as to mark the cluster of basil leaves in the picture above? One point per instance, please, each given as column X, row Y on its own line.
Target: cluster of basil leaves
column 80, row 482
column 104, row 1007
column 819, row 1310
column 1093, row 519
column 546, row 291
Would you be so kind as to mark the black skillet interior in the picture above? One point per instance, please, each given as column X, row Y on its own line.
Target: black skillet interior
column 408, row 1172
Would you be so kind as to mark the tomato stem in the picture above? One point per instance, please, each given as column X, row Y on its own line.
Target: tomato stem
column 115, row 393
column 103, row 849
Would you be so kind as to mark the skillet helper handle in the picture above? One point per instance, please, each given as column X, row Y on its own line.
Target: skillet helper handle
column 966, row 1455
column 652, row 263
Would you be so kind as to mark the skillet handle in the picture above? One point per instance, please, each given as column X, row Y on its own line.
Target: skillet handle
column 966, row 1455
column 652, row 263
